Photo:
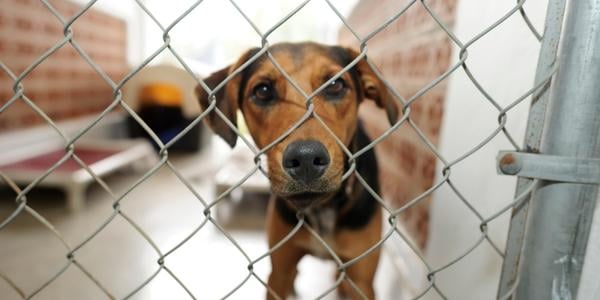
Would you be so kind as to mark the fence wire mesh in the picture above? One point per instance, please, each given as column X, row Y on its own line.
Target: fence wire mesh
column 71, row 250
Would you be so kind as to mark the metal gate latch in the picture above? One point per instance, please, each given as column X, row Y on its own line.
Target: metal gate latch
column 549, row 167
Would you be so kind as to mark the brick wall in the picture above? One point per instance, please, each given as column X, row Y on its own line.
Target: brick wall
column 410, row 52
column 64, row 86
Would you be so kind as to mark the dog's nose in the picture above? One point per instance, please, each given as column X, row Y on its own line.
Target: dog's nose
column 305, row 160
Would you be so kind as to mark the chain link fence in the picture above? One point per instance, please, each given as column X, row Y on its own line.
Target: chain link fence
column 393, row 214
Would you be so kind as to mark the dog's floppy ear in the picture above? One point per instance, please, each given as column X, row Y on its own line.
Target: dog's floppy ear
column 373, row 88
column 226, row 97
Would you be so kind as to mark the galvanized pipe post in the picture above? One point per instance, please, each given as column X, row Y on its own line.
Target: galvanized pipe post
column 560, row 213
column 533, row 139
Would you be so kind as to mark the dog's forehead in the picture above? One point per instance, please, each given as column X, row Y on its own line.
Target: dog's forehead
column 296, row 56
column 302, row 53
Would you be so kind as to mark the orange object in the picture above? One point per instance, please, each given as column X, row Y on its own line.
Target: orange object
column 163, row 94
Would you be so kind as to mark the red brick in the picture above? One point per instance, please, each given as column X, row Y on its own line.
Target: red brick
column 23, row 24
column 407, row 155
column 5, row 96
column 24, row 2
column 52, row 28
column 25, row 49
column 428, row 169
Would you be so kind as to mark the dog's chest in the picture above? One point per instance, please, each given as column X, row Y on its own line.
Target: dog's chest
column 323, row 222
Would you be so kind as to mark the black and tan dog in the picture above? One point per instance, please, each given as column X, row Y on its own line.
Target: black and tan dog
column 305, row 169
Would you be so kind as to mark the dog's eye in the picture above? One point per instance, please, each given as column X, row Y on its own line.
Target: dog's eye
column 336, row 89
column 263, row 94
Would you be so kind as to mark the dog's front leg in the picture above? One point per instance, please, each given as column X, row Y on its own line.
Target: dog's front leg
column 362, row 272
column 284, row 259
column 283, row 271
column 362, row 275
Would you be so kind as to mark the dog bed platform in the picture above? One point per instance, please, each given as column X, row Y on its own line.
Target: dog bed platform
column 102, row 157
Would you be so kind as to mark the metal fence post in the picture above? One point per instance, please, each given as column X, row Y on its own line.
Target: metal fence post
column 560, row 213
column 533, row 138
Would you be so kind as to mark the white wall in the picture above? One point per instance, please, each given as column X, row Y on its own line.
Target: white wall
column 504, row 62
column 214, row 34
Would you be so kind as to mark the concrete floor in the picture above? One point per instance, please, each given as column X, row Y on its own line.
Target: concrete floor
column 121, row 259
